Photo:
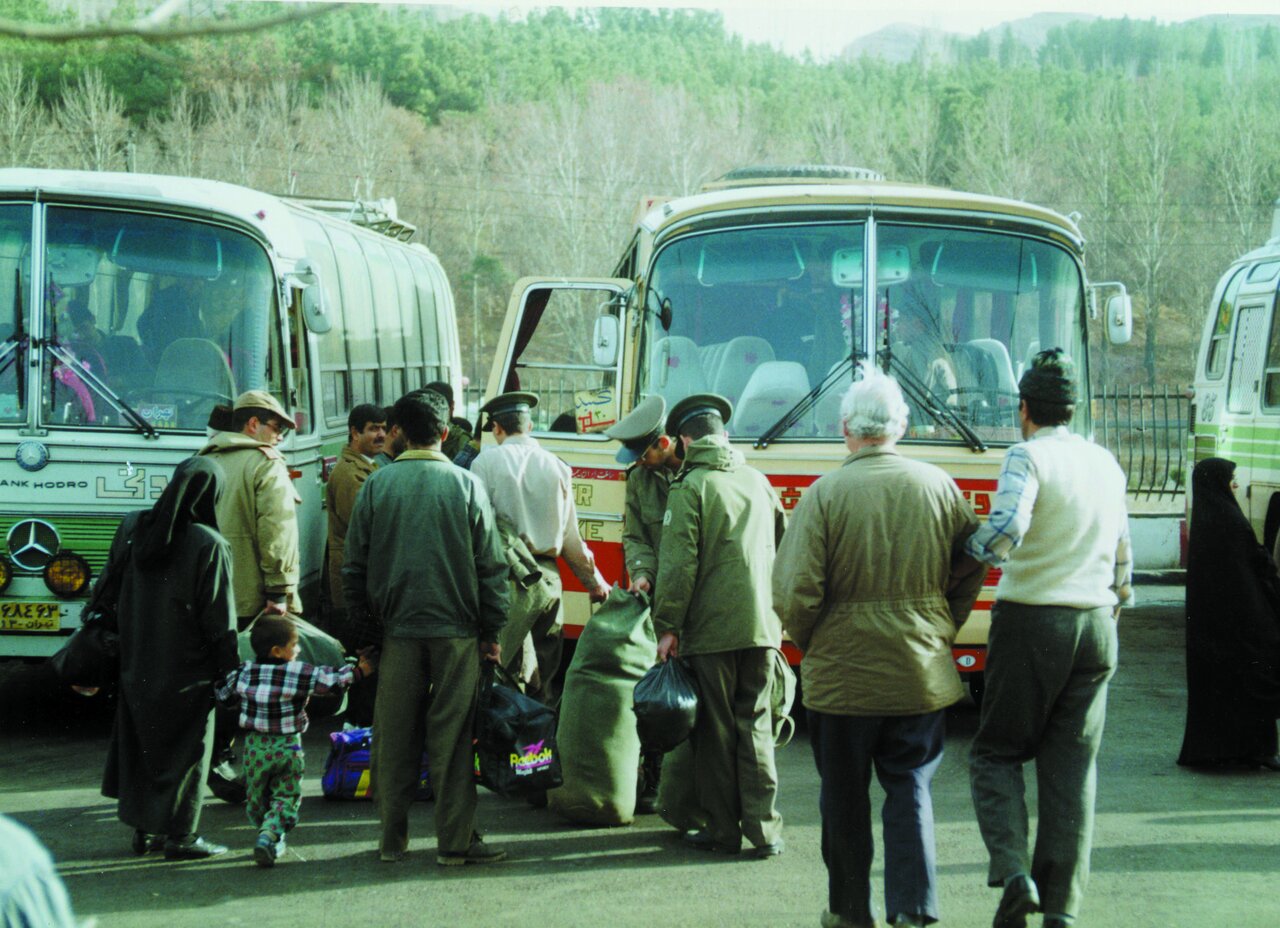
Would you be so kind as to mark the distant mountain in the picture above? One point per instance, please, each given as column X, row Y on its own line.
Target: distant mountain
column 901, row 41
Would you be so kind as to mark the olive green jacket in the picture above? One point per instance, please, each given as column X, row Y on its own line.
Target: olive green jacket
column 257, row 515
column 719, row 537
column 345, row 480
column 871, row 583
column 642, row 526
column 424, row 554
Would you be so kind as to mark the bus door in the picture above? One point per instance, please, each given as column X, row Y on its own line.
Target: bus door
column 1248, row 354
column 564, row 340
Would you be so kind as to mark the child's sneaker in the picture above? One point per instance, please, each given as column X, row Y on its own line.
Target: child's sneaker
column 266, row 850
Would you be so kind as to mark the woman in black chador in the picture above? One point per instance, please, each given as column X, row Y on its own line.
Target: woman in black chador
column 1233, row 631
column 177, row 635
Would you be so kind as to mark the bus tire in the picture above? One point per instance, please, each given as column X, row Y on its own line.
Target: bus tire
column 977, row 683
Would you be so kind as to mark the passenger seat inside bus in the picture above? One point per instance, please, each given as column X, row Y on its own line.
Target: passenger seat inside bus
column 774, row 388
column 738, row 359
column 678, row 369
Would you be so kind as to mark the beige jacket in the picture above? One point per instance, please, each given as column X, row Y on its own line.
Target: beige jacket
column 872, row 584
column 257, row 516
column 345, row 480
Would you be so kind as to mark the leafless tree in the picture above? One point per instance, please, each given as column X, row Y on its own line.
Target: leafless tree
column 358, row 117
column 1002, row 149
column 1240, row 150
column 1148, row 232
column 287, row 140
column 177, row 136
column 236, row 135
column 92, row 122
column 161, row 25
column 916, row 151
column 24, row 124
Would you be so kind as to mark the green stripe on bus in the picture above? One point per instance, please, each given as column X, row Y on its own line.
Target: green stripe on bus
column 85, row 535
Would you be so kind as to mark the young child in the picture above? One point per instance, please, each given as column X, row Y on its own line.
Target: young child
column 272, row 693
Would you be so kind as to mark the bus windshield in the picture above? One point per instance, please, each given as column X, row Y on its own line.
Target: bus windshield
column 151, row 318
column 763, row 315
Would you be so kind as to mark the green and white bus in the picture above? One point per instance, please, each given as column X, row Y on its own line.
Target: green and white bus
column 131, row 305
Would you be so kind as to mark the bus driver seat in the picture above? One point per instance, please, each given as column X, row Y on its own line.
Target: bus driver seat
column 195, row 373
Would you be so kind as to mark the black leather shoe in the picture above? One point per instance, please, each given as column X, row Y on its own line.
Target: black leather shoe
column 1270, row 763
column 647, row 802
column 1020, row 899
column 195, row 849
column 1054, row 922
column 143, row 842
column 702, row 841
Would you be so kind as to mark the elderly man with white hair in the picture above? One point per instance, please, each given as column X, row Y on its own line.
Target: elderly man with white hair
column 871, row 584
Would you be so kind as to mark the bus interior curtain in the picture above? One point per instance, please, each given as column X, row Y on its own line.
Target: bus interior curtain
column 534, row 307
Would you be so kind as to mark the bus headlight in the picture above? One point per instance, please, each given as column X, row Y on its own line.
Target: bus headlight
column 66, row 575
column 6, row 573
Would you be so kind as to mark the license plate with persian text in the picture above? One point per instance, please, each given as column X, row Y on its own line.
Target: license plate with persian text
column 30, row 617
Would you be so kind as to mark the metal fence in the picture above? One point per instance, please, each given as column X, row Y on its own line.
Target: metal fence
column 1146, row 429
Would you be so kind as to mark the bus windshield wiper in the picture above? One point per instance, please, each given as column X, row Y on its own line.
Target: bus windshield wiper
column 100, row 387
column 924, row 398
column 14, row 351
column 808, row 401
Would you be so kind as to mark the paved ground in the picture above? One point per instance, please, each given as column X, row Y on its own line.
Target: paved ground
column 1174, row 848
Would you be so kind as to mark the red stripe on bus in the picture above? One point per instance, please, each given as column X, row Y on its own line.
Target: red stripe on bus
column 598, row 473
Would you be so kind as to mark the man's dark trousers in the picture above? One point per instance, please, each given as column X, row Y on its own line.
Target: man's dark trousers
column 905, row 752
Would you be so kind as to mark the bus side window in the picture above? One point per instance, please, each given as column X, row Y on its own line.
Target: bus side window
column 1219, row 342
column 1271, row 373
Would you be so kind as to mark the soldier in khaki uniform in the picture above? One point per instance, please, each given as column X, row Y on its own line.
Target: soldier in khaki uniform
column 713, row 605
column 367, row 433
column 652, row 456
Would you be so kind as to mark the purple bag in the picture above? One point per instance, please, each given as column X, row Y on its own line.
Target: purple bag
column 346, row 770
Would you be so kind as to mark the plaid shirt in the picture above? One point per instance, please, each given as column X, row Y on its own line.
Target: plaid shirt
column 273, row 697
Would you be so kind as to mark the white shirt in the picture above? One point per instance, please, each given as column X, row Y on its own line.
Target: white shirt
column 532, row 489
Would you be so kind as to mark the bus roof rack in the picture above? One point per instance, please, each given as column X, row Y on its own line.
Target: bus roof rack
column 378, row 215
column 766, row 174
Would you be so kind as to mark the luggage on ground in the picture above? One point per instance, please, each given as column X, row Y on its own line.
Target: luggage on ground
column 598, row 739
column 346, row 770
column 516, row 752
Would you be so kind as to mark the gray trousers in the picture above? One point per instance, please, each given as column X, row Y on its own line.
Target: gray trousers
column 1045, row 700
column 427, row 692
column 737, row 781
column 905, row 752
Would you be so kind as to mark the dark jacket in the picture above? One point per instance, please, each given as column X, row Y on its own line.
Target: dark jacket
column 423, row 551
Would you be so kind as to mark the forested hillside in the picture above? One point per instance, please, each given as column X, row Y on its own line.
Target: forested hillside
column 524, row 146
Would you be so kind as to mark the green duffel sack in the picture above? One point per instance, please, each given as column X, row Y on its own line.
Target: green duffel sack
column 315, row 647
column 599, row 744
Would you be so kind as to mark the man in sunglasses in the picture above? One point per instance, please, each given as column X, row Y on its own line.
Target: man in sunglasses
column 257, row 514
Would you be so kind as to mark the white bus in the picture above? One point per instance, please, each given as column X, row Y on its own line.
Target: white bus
column 1236, row 410
column 131, row 305
column 757, row 288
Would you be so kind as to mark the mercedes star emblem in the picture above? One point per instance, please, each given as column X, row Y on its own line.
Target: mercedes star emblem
column 33, row 543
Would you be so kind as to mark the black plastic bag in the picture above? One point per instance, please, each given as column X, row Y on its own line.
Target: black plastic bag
column 666, row 705
column 516, row 752
column 91, row 656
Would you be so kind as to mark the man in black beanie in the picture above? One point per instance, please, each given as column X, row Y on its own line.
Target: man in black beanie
column 1060, row 533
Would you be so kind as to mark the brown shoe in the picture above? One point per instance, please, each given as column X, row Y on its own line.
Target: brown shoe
column 1020, row 899
column 478, row 853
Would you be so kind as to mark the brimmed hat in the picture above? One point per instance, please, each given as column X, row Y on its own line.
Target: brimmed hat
column 517, row 401
column 639, row 429
column 261, row 399
column 697, row 405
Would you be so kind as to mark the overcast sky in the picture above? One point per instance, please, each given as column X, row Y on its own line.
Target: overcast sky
column 826, row 27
